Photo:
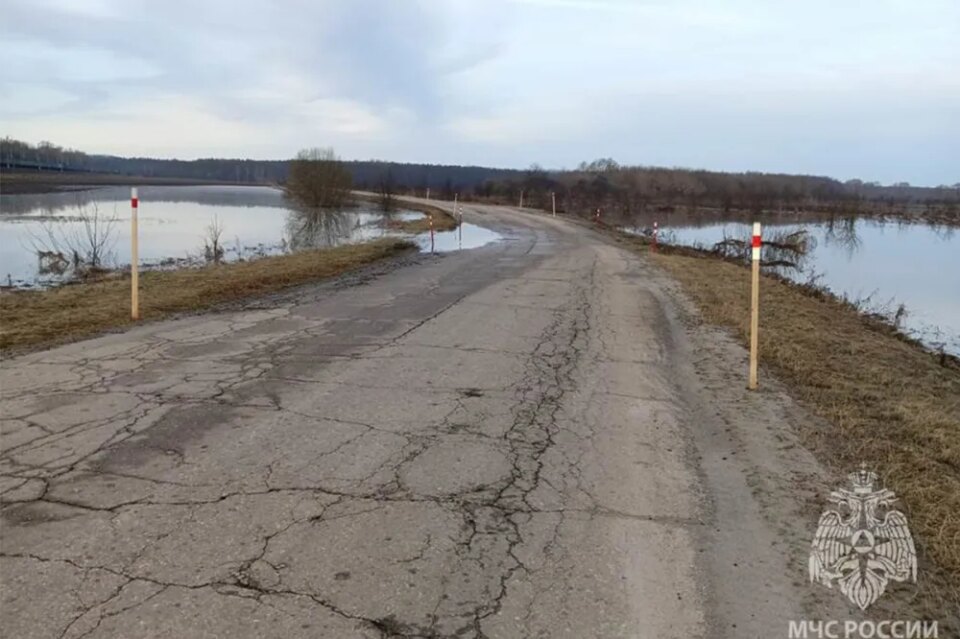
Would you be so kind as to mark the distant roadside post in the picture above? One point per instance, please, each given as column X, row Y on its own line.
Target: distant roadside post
column 134, row 257
column 553, row 203
column 656, row 232
column 754, row 304
column 521, row 198
column 457, row 211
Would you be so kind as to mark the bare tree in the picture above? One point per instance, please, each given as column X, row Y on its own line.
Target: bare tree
column 318, row 179
column 387, row 188
column 212, row 241
column 86, row 244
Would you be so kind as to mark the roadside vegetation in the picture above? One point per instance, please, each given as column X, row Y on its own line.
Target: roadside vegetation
column 622, row 192
column 32, row 319
column 887, row 400
column 442, row 220
column 318, row 179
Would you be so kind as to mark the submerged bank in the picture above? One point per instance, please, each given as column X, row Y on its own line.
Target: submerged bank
column 33, row 319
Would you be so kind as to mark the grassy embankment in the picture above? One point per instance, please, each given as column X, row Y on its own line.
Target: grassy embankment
column 889, row 402
column 32, row 319
column 442, row 220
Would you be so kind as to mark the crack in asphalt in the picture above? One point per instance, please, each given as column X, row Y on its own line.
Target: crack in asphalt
column 492, row 512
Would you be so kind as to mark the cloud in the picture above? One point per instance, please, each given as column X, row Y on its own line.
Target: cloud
column 721, row 84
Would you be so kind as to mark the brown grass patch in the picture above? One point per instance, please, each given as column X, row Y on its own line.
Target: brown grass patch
column 889, row 403
column 40, row 318
column 442, row 220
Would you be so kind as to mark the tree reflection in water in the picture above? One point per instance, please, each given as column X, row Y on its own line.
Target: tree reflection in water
column 318, row 228
column 842, row 232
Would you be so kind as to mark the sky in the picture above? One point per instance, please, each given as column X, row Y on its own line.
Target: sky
column 848, row 88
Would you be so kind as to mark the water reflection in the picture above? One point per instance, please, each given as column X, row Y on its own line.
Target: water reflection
column 175, row 228
column 119, row 197
column 306, row 229
column 878, row 264
column 842, row 233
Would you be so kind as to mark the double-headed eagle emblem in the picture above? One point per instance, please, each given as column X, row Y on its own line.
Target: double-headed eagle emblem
column 858, row 547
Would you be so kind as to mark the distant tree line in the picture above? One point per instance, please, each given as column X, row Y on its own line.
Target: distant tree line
column 602, row 183
column 369, row 175
column 628, row 190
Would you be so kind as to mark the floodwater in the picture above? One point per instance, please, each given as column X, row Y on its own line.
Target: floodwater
column 174, row 222
column 879, row 264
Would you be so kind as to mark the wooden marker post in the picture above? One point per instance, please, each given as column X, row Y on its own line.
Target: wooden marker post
column 134, row 257
column 521, row 198
column 431, row 233
column 553, row 202
column 656, row 231
column 754, row 305
column 457, row 214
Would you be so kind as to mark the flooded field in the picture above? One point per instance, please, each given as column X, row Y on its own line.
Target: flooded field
column 878, row 264
column 41, row 233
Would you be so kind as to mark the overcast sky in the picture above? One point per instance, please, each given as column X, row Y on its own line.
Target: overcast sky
column 829, row 87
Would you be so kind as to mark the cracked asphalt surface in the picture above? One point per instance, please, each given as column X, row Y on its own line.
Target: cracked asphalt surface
column 487, row 443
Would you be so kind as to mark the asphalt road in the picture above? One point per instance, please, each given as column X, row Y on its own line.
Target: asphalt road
column 510, row 441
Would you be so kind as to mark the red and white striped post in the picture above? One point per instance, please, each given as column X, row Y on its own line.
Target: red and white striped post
column 134, row 257
column 656, row 230
column 755, row 245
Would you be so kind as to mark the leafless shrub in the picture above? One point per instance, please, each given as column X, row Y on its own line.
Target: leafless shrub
column 212, row 241
column 387, row 188
column 784, row 249
column 318, row 179
column 85, row 243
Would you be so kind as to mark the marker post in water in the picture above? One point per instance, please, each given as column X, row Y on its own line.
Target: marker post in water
column 134, row 257
column 458, row 211
column 754, row 304
column 430, row 215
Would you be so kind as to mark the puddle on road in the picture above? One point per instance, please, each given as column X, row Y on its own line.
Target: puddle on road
column 468, row 236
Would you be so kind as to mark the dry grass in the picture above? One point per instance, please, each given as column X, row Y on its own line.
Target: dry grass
column 888, row 402
column 442, row 220
column 39, row 318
